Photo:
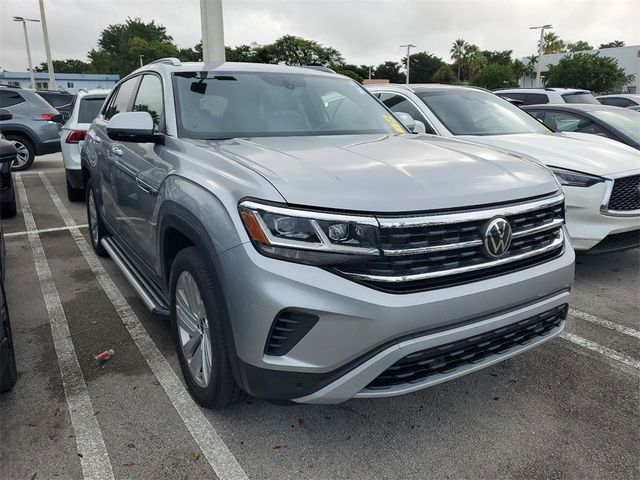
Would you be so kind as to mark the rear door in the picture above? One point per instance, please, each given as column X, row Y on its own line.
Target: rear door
column 140, row 174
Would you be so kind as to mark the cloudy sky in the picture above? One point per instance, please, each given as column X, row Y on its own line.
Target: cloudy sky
column 365, row 31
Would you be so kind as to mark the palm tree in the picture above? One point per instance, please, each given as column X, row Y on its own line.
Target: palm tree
column 552, row 43
column 458, row 51
column 530, row 68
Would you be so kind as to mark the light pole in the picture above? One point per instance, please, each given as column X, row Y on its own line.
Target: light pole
column 141, row 63
column 26, row 41
column 539, row 66
column 47, row 49
column 409, row 46
column 370, row 69
column 212, row 31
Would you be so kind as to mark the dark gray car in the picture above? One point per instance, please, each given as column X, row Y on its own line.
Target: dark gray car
column 306, row 246
column 34, row 128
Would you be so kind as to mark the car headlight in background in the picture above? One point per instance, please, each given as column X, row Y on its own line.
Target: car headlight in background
column 310, row 237
column 569, row 178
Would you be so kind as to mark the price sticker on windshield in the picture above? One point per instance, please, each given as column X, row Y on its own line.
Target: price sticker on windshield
column 394, row 124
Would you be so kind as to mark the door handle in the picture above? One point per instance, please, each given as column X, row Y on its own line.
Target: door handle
column 116, row 151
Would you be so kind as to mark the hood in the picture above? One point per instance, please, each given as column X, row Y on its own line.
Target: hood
column 382, row 173
column 575, row 151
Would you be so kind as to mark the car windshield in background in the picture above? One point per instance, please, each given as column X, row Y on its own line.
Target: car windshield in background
column 259, row 104
column 583, row 97
column 479, row 113
column 627, row 121
column 89, row 108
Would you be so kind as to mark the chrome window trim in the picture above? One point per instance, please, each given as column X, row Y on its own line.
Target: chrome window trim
column 469, row 215
column 608, row 189
column 557, row 243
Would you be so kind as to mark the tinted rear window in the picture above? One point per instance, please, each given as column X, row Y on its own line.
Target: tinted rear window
column 9, row 98
column 580, row 98
column 56, row 100
column 89, row 109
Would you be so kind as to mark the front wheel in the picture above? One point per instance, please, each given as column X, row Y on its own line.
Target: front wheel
column 96, row 227
column 197, row 323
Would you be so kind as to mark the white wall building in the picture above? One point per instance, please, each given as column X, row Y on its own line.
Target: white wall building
column 628, row 58
column 69, row 82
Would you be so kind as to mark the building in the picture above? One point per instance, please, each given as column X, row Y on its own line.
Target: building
column 69, row 82
column 628, row 58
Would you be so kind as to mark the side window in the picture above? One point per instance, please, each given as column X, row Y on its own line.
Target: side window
column 149, row 99
column 565, row 122
column 537, row 114
column 121, row 99
column 398, row 103
column 9, row 99
column 617, row 102
column 536, row 99
column 512, row 95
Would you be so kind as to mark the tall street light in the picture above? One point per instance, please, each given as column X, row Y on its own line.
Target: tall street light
column 47, row 49
column 409, row 46
column 212, row 31
column 539, row 68
column 26, row 40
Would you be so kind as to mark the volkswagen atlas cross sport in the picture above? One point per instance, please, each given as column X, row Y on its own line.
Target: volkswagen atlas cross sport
column 306, row 246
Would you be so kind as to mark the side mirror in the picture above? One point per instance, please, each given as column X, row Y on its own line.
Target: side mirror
column 8, row 151
column 5, row 114
column 133, row 127
column 415, row 126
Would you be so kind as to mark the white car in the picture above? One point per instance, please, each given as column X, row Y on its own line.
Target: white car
column 85, row 108
column 539, row 96
column 625, row 100
column 600, row 177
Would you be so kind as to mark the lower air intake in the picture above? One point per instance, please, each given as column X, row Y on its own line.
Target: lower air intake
column 288, row 328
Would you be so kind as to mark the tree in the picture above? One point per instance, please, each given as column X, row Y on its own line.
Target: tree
column 357, row 72
column 495, row 75
column 458, row 52
column 588, row 71
column 70, row 65
column 191, row 54
column 614, row 44
column 519, row 69
column 579, row 46
column 444, row 74
column 552, row 43
column 474, row 60
column 120, row 46
column 423, row 66
column 298, row 51
column 501, row 57
column 390, row 71
column 530, row 67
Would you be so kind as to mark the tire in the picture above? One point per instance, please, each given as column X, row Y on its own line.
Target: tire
column 8, row 379
column 97, row 231
column 75, row 194
column 190, row 270
column 9, row 209
column 26, row 152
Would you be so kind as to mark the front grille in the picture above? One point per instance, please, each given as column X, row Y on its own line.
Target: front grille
column 625, row 195
column 426, row 252
column 445, row 359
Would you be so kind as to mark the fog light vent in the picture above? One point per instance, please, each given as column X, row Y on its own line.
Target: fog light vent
column 288, row 328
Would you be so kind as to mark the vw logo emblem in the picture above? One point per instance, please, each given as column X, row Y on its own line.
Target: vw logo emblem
column 496, row 237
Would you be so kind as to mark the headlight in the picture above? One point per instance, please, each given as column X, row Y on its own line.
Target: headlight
column 569, row 178
column 310, row 237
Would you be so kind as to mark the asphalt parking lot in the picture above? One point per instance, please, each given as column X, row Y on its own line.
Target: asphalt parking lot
column 567, row 409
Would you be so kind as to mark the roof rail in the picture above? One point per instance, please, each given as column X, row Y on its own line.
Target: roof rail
column 169, row 61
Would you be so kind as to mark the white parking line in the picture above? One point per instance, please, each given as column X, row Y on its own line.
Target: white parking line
column 596, row 347
column 604, row 323
column 42, row 230
column 224, row 464
column 31, row 174
column 93, row 453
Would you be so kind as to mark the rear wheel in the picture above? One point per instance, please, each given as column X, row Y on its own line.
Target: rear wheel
column 26, row 153
column 74, row 194
column 197, row 322
column 96, row 227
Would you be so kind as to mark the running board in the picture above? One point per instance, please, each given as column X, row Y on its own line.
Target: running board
column 147, row 292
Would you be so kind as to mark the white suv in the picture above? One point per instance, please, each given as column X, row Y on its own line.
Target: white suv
column 538, row 96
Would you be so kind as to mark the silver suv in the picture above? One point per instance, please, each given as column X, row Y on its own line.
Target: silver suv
column 34, row 128
column 306, row 246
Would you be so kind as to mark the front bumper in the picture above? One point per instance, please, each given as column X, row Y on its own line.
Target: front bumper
column 361, row 331
column 586, row 223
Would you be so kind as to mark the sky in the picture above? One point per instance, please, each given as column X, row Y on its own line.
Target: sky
column 366, row 32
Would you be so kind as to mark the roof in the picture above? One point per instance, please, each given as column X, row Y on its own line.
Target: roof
column 175, row 65
column 632, row 96
column 574, row 107
column 94, row 92
column 538, row 90
column 60, row 76
column 425, row 87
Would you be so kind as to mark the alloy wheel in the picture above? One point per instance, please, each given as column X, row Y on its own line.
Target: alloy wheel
column 22, row 156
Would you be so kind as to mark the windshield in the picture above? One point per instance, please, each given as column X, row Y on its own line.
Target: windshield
column 473, row 112
column 581, row 97
column 627, row 121
column 89, row 108
column 258, row 104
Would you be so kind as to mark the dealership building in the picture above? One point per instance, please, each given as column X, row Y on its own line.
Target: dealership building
column 69, row 82
column 628, row 58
